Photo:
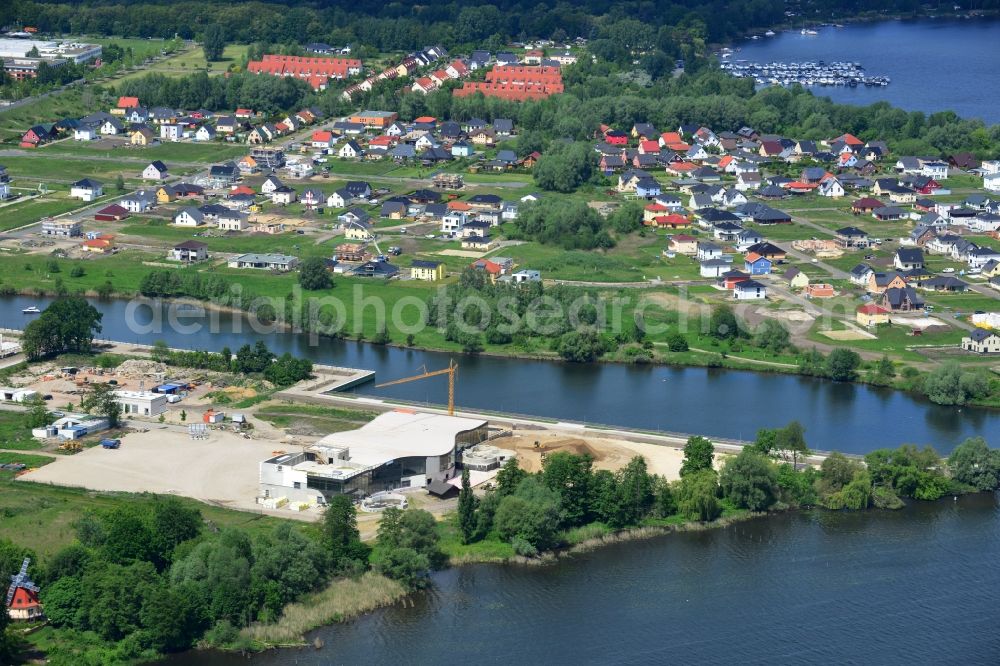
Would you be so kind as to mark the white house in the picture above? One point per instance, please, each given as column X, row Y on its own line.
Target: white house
column 189, row 217
column 232, row 221
column 936, row 170
column 86, row 133
column 141, row 403
column 270, row 184
column 86, row 190
column 350, row 149
column 156, row 170
column 171, row 132
column 713, row 268
column 339, row 199
column 991, row 181
column 749, row 290
column 204, row 133
column 283, row 195
column 453, row 222
column 831, row 187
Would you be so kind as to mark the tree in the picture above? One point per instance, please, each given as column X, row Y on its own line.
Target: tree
column 569, row 475
column 765, row 441
column 509, row 477
column 68, row 324
column 341, row 536
column 529, row 518
column 38, row 415
column 313, row 274
column 697, row 495
column 723, row 324
column 949, row 385
column 975, row 464
column 254, row 358
column 749, row 481
column 120, row 183
column 287, row 370
column 413, row 529
column 634, row 493
column 467, row 509
column 772, row 336
column 564, row 167
column 160, row 351
column 581, row 346
column 698, row 455
column 170, row 524
column 842, row 365
column 214, row 42
column 792, row 439
column 100, row 399
column 836, row 471
column 172, row 618
column 885, row 371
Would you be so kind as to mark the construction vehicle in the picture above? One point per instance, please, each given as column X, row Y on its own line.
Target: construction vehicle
column 450, row 371
column 71, row 446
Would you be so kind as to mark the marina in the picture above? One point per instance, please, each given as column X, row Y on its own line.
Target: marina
column 808, row 73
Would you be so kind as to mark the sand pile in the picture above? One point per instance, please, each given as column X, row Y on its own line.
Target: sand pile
column 139, row 368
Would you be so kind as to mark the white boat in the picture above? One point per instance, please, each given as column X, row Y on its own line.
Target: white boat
column 769, row 33
column 31, row 310
column 806, row 31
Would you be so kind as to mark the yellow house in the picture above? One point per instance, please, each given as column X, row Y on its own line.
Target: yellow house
column 143, row 137
column 878, row 283
column 432, row 271
column 358, row 231
column 165, row 194
column 870, row 314
column 796, row 278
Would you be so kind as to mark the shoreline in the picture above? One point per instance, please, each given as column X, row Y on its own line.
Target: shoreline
column 724, row 360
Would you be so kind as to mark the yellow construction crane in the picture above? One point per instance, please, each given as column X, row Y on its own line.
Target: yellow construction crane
column 450, row 371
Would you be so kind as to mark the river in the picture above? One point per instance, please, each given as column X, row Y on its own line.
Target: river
column 918, row 586
column 934, row 64
column 724, row 403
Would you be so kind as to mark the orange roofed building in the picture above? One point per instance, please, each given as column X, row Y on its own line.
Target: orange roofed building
column 317, row 71
column 516, row 82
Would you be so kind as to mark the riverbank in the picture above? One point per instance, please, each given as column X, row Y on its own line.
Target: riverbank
column 741, row 354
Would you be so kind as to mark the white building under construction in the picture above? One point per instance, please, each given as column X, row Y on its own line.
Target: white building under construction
column 398, row 449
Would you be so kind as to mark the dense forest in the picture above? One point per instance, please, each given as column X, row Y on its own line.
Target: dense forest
column 642, row 24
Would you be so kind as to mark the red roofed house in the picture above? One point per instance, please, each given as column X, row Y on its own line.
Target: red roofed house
column 124, row 104
column 820, row 290
column 652, row 211
column 683, row 244
column 244, row 113
column 457, row 69
column 866, row 205
column 424, row 85
column 516, row 83
column 799, row 186
column 35, row 137
column 322, row 139
column 112, row 213
column 849, row 139
column 382, row 141
column 492, row 269
column 317, row 71
column 672, row 221
column 425, row 120
column 649, row 147
column 670, row 137
column 616, row 137
column 872, row 315
column 104, row 243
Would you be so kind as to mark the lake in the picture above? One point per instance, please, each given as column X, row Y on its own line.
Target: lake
column 917, row 586
column 837, row 416
column 934, row 64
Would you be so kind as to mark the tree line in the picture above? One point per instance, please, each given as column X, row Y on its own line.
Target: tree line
column 255, row 359
column 537, row 512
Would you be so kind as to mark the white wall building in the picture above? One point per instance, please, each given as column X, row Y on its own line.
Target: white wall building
column 395, row 450
column 141, row 403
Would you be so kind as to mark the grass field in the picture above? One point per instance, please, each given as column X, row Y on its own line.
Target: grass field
column 30, row 211
column 72, row 103
column 192, row 61
column 15, row 434
column 50, row 166
column 201, row 153
column 41, row 517
column 320, row 419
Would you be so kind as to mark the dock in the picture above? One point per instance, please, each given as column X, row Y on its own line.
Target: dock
column 328, row 379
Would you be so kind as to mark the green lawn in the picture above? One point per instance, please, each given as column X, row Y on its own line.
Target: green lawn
column 50, row 166
column 41, row 517
column 32, row 210
column 168, row 152
column 192, row 61
column 287, row 243
column 15, row 433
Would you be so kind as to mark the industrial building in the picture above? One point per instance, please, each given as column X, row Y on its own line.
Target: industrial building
column 141, row 403
column 74, row 51
column 398, row 449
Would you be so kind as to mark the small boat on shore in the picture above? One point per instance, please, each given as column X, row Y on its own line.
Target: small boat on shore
column 31, row 309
